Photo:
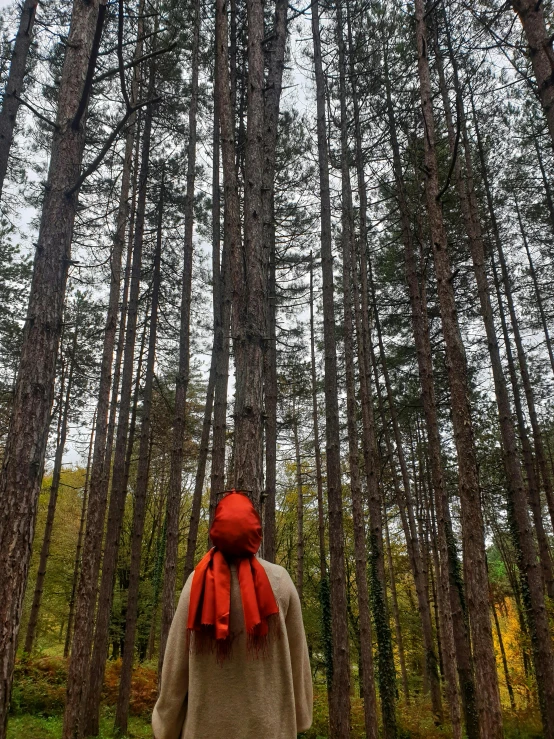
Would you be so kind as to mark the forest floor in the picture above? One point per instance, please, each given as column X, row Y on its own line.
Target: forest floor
column 39, row 692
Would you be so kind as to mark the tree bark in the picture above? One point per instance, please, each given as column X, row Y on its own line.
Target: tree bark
column 504, row 660
column 14, row 85
column 220, row 341
column 23, row 460
column 410, row 530
column 194, row 522
column 69, row 630
column 529, row 462
column 395, row 610
column 299, row 507
column 522, row 359
column 531, row 15
column 272, row 99
column 220, row 347
column 488, row 698
column 339, row 704
column 141, row 489
column 54, row 489
column 231, row 248
column 470, row 214
column 446, row 641
column 538, row 296
column 317, row 446
column 86, row 673
column 545, row 182
column 324, row 579
column 249, row 319
column 351, row 299
column 454, row 623
column 114, row 404
column 183, row 375
column 524, row 545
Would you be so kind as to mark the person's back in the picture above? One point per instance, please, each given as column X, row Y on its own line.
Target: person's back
column 253, row 688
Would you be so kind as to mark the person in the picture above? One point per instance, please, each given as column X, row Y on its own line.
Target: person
column 236, row 664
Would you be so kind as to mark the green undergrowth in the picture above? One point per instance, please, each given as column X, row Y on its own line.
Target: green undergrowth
column 39, row 693
column 27, row 726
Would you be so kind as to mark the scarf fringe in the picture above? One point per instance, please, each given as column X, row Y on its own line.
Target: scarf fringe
column 203, row 641
column 258, row 646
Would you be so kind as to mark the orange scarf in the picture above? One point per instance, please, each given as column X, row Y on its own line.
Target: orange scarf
column 236, row 533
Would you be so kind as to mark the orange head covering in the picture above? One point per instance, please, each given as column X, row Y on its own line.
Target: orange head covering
column 236, row 532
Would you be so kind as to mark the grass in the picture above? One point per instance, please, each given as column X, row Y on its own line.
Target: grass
column 414, row 727
column 50, row 727
column 39, row 694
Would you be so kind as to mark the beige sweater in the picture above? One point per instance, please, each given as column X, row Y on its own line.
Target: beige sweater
column 245, row 697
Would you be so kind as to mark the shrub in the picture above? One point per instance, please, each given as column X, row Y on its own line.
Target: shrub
column 40, row 684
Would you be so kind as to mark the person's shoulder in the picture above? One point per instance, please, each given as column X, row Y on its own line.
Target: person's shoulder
column 278, row 576
column 272, row 568
column 185, row 592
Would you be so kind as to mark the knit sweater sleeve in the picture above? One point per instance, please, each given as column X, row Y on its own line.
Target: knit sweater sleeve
column 171, row 708
column 300, row 661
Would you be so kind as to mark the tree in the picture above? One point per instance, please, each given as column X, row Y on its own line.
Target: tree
column 15, row 83
column 488, row 699
column 339, row 703
column 23, row 460
column 533, row 21
column 182, row 380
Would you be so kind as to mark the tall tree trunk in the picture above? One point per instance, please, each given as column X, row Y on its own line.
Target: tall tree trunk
column 324, row 596
column 299, row 506
column 14, row 85
column 339, row 705
column 503, row 655
column 54, row 489
column 86, row 673
column 183, row 375
column 522, row 358
column 204, row 448
column 454, row 625
column 77, row 563
column 216, row 396
column 529, row 462
column 470, row 214
column 488, row 697
column 386, row 669
column 315, row 421
column 271, row 398
column 447, row 645
column 272, row 98
column 530, row 572
column 220, row 346
column 23, row 460
column 141, row 490
column 531, row 15
column 545, row 182
column 249, row 318
column 538, row 296
column 231, row 249
column 413, row 544
column 395, row 610
column 114, row 404
column 351, row 298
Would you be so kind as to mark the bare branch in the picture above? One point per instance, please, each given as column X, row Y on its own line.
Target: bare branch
column 91, row 66
column 93, row 166
column 35, row 111
column 133, row 63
